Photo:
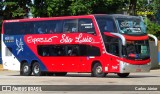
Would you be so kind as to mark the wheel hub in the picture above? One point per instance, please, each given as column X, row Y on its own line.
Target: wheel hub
column 25, row 69
column 36, row 69
column 99, row 69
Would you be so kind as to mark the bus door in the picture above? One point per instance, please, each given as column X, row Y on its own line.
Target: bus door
column 113, row 47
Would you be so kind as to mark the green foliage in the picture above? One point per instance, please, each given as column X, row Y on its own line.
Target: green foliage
column 43, row 8
column 156, row 8
column 79, row 7
column 153, row 28
column 48, row 8
column 144, row 8
column 15, row 9
column 108, row 6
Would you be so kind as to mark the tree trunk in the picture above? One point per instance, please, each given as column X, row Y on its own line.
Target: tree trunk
column 132, row 7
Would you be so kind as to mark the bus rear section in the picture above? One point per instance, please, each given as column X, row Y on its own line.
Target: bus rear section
column 94, row 44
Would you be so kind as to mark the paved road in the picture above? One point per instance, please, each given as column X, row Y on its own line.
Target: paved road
column 151, row 78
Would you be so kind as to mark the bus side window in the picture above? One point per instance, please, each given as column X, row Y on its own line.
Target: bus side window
column 8, row 51
column 112, row 45
column 54, row 26
column 70, row 26
column 51, row 50
column 73, row 50
column 93, row 51
column 114, row 49
column 86, row 26
column 87, row 50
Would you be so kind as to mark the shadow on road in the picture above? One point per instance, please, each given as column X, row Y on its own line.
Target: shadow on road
column 89, row 76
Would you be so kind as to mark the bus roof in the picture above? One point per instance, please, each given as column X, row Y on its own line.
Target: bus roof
column 119, row 16
column 68, row 17
column 46, row 18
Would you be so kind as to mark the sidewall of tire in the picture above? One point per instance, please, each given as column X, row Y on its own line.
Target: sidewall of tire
column 28, row 73
column 40, row 72
column 94, row 74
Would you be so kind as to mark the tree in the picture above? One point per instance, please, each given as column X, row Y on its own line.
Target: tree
column 48, row 8
column 157, row 10
column 108, row 6
column 45, row 8
column 132, row 7
column 79, row 7
column 153, row 28
column 15, row 9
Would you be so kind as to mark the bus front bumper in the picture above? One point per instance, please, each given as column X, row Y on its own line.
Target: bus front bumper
column 130, row 68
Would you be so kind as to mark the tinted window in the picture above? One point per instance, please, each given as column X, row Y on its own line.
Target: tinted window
column 70, row 26
column 106, row 24
column 86, row 26
column 37, row 27
column 17, row 28
column 68, row 50
column 8, row 51
column 50, row 50
column 112, row 45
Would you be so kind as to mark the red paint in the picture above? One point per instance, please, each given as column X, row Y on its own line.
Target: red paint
column 144, row 37
column 76, row 63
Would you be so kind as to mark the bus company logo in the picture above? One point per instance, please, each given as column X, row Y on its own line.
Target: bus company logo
column 19, row 44
column 30, row 39
column 64, row 39
column 9, row 39
column 79, row 39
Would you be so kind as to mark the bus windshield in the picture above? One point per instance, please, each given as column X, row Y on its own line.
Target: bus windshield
column 136, row 50
column 131, row 26
column 106, row 24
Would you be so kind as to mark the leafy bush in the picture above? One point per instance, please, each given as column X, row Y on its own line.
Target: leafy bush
column 153, row 28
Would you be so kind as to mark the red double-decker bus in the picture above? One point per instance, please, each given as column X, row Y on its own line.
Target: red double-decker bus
column 96, row 44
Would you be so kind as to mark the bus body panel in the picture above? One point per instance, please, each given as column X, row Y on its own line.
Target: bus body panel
column 25, row 48
column 17, row 52
column 8, row 59
column 63, row 63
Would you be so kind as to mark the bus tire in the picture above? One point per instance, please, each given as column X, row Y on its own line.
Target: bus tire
column 97, row 70
column 36, row 69
column 123, row 75
column 60, row 73
column 25, row 69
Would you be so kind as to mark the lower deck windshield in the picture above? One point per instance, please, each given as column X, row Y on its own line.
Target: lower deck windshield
column 137, row 50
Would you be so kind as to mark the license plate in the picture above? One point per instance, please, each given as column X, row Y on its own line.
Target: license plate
column 138, row 70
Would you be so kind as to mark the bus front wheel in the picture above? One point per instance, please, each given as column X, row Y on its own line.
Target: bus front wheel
column 123, row 75
column 97, row 70
column 36, row 69
column 25, row 69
